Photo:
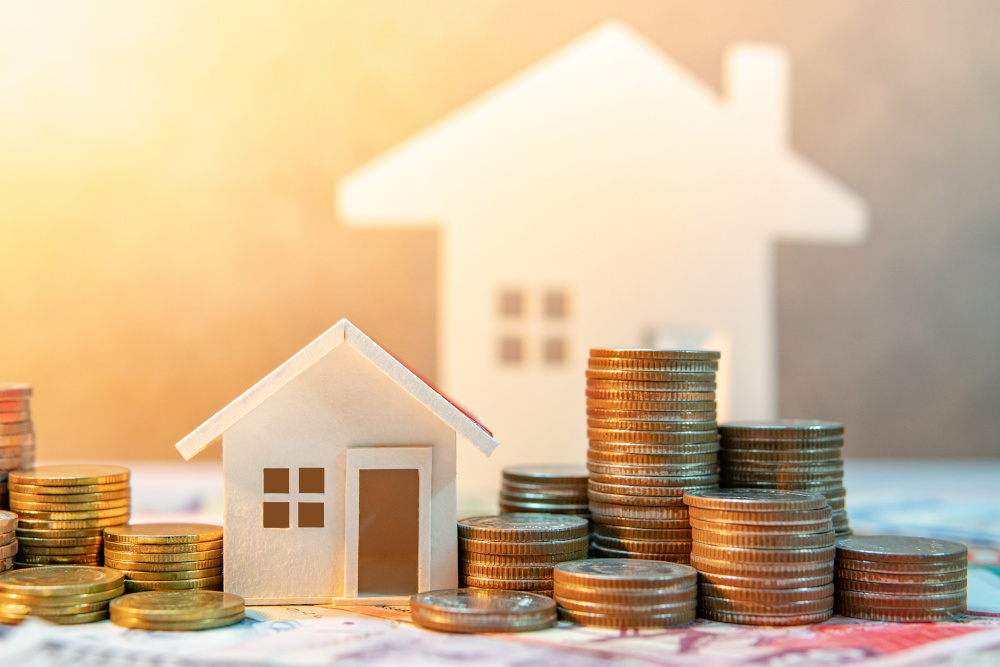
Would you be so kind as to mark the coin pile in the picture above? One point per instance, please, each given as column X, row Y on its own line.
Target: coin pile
column 652, row 429
column 551, row 488
column 764, row 557
column 166, row 556
column 516, row 552
column 17, row 437
column 68, row 594
column 481, row 610
column 901, row 579
column 177, row 610
column 625, row 593
column 63, row 510
column 787, row 454
column 8, row 540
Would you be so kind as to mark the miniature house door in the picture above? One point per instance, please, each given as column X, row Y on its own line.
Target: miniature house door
column 387, row 521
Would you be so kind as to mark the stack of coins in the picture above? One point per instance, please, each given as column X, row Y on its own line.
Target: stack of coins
column 69, row 594
column 901, row 579
column 177, row 610
column 480, row 610
column 8, row 540
column 166, row 556
column 63, row 510
column 551, row 488
column 787, row 454
column 653, row 436
column 516, row 552
column 17, row 437
column 764, row 557
column 625, row 593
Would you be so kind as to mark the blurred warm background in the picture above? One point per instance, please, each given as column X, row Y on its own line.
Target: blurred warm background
column 168, row 234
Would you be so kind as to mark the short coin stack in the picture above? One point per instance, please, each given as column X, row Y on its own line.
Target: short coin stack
column 166, row 556
column 17, row 437
column 625, row 593
column 764, row 557
column 652, row 428
column 516, row 552
column 63, row 510
column 66, row 595
column 787, row 454
column 550, row 488
column 481, row 610
column 8, row 540
column 901, row 579
column 177, row 610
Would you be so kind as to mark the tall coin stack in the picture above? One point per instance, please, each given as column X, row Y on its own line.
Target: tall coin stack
column 63, row 511
column 17, row 437
column 550, row 488
column 901, row 579
column 652, row 429
column 764, row 557
column 625, row 593
column 8, row 540
column 787, row 454
column 516, row 552
column 166, row 556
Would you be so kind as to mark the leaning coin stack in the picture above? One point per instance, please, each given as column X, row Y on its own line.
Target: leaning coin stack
column 901, row 579
column 764, row 557
column 177, row 610
column 63, row 510
column 516, row 552
column 652, row 428
column 17, row 437
column 625, row 593
column 787, row 454
column 481, row 610
column 166, row 556
column 8, row 540
column 65, row 595
column 551, row 488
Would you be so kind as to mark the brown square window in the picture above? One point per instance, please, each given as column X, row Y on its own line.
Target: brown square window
column 310, row 515
column 276, row 515
column 275, row 480
column 511, row 303
column 554, row 351
column 310, row 480
column 511, row 351
column 555, row 305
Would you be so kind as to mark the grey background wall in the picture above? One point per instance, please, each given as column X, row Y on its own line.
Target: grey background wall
column 167, row 234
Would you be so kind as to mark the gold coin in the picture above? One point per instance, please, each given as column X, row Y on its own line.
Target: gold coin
column 180, row 557
column 14, row 609
column 764, row 619
column 523, row 559
column 599, row 551
column 812, row 606
column 158, row 567
column 26, row 549
column 137, row 549
column 8, row 550
column 50, row 534
column 56, row 525
column 650, row 353
column 56, row 581
column 27, row 516
column 637, row 596
column 539, row 528
column 628, row 608
column 611, row 512
column 902, row 615
column 620, row 621
column 522, row 548
column 737, row 519
column 93, row 541
column 645, row 546
column 79, row 559
column 8, row 521
column 753, row 555
column 494, row 571
column 61, row 600
column 660, row 501
column 164, row 533
column 47, row 507
column 168, row 626
column 62, row 619
column 624, row 574
column 196, row 573
column 207, row 583
column 70, row 490
column 765, row 595
column 17, row 428
column 73, row 474
column 191, row 605
column 763, row 540
column 470, row 581
column 71, row 497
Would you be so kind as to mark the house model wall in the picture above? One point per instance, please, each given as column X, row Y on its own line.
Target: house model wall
column 604, row 197
column 339, row 473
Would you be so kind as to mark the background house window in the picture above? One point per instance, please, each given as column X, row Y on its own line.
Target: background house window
column 555, row 304
column 511, row 303
column 276, row 514
column 554, row 351
column 511, row 350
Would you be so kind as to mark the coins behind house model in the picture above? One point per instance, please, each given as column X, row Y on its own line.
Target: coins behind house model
column 652, row 430
column 177, row 610
column 901, row 579
column 516, row 552
column 17, row 435
column 550, row 488
column 788, row 454
column 482, row 610
column 166, row 556
column 625, row 593
column 73, row 594
column 764, row 557
column 63, row 510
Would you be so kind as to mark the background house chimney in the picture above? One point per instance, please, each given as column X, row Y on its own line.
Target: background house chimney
column 756, row 81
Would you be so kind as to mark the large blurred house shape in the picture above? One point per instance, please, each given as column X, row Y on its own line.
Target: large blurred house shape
column 605, row 197
column 339, row 473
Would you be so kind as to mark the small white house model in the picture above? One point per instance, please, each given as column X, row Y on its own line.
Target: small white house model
column 339, row 474
column 605, row 197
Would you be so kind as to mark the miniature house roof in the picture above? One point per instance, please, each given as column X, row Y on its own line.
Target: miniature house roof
column 465, row 426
